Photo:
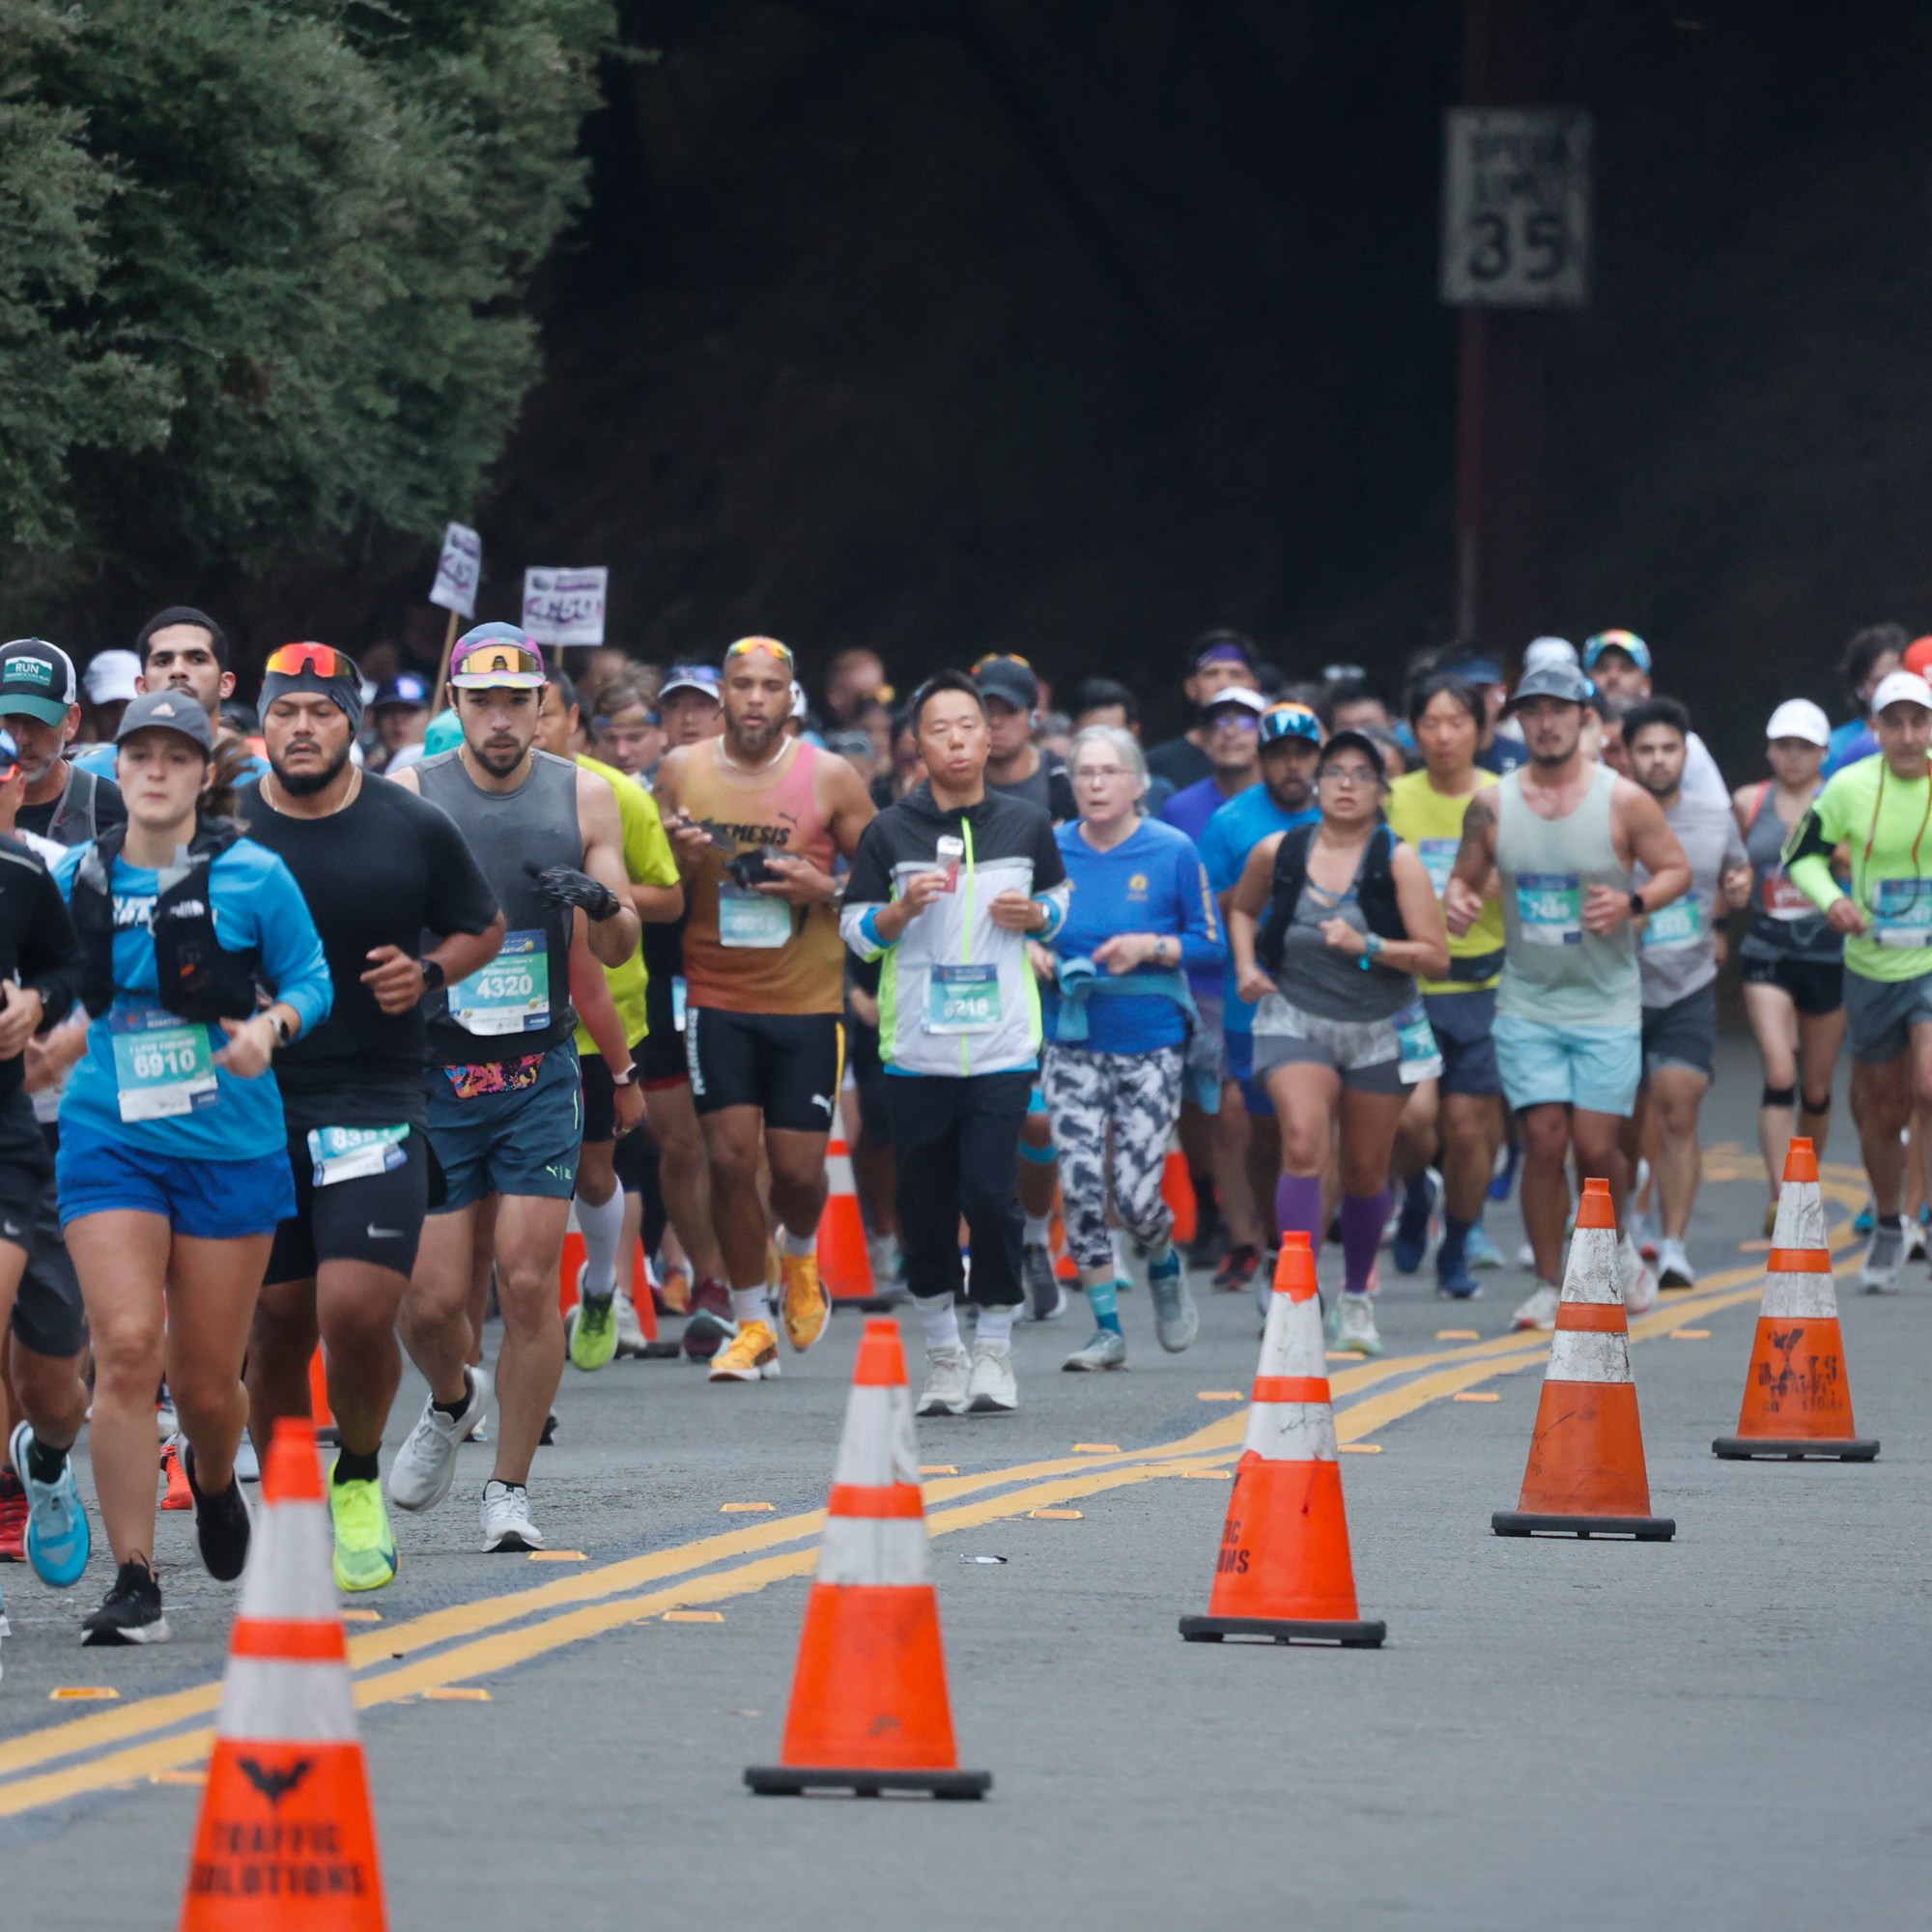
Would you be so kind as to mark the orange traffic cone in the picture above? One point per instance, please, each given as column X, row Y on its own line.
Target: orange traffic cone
column 326, row 1430
column 570, row 1265
column 179, row 1495
column 1284, row 1570
column 286, row 1842
column 869, row 1706
column 1798, row 1398
column 1176, row 1189
column 1586, row 1473
column 844, row 1262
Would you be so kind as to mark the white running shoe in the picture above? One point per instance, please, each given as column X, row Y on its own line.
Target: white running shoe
column 630, row 1330
column 1525, row 1255
column 1540, row 1310
column 1673, row 1265
column 1108, row 1350
column 1915, row 1240
column 1639, row 1284
column 991, row 1388
column 1883, row 1254
column 949, row 1372
column 1354, row 1329
column 425, row 1466
column 506, row 1519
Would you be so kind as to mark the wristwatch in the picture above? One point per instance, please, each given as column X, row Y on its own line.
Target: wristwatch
column 1371, row 944
column 1638, row 910
column 283, row 1031
column 433, row 973
column 626, row 1078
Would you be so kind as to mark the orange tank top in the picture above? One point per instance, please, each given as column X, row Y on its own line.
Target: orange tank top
column 744, row 952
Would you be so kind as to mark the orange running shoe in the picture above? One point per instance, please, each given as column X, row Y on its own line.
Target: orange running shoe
column 807, row 1302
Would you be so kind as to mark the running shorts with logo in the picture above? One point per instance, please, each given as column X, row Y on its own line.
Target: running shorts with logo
column 788, row 1066
column 372, row 1218
column 517, row 1128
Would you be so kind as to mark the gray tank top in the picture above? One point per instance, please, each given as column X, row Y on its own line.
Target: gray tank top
column 1784, row 923
column 520, row 1003
column 1322, row 979
column 1553, row 971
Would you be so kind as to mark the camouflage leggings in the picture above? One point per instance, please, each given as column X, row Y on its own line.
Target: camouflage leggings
column 1137, row 1096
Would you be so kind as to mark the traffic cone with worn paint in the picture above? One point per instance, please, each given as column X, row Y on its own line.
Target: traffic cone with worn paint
column 869, row 1710
column 1176, row 1189
column 287, row 1839
column 1285, row 1572
column 1798, row 1396
column 844, row 1262
column 1587, row 1474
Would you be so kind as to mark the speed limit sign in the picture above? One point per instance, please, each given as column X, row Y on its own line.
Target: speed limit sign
column 1516, row 207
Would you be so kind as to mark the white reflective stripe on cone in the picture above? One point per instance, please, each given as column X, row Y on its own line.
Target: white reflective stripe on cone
column 1594, row 1272
column 1583, row 1355
column 288, row 1577
column 878, row 1446
column 1292, row 1432
column 1812, row 1295
column 839, row 1171
column 889, row 1550
column 271, row 1702
column 1801, row 1216
column 1292, row 1345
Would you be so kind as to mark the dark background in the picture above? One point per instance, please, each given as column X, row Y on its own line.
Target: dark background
column 1076, row 326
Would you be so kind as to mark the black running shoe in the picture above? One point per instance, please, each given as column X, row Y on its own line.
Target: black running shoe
column 131, row 1612
column 221, row 1524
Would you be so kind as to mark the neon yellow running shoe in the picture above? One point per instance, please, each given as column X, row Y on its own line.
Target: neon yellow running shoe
column 807, row 1306
column 751, row 1356
column 590, row 1330
column 365, row 1551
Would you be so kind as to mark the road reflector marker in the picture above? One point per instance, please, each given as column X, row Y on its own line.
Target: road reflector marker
column 939, row 1468
column 1097, row 1448
column 693, row 1616
column 1457, row 1335
column 83, row 1693
column 1360, row 1448
column 458, row 1694
column 1056, row 1515
column 559, row 1556
column 1209, row 1475
column 743, row 1509
column 1220, row 1395
column 1477, row 1395
column 361, row 1616
column 1689, row 1334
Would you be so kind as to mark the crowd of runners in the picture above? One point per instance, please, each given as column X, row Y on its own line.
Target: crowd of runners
column 323, row 1019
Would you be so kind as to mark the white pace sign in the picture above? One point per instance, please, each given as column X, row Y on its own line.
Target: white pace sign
column 1516, row 207
column 458, row 571
column 565, row 606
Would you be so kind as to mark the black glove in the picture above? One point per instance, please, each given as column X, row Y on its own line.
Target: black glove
column 566, row 885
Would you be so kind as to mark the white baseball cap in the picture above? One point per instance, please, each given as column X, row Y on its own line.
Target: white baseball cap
column 1543, row 651
column 1800, row 718
column 1901, row 687
column 110, row 678
column 1236, row 695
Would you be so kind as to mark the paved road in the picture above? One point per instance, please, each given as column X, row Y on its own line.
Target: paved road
column 1727, row 1731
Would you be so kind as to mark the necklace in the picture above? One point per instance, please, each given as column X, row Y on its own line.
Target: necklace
column 769, row 767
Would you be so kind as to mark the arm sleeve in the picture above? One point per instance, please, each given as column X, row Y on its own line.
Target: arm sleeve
column 292, row 954
column 1202, row 946
column 459, row 898
column 869, row 887
column 50, row 961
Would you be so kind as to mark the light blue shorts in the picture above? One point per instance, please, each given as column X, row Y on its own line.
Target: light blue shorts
column 1596, row 1068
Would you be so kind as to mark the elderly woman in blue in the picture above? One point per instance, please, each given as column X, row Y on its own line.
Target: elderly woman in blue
column 201, row 959
column 1139, row 918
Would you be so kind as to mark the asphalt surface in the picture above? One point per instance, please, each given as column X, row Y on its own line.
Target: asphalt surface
column 1725, row 1731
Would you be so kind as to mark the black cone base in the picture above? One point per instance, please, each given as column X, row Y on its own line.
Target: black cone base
column 870, row 1304
column 1797, row 1449
column 1286, row 1629
column 791, row 1780
column 1645, row 1528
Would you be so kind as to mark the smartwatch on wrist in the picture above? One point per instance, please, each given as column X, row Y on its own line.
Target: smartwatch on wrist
column 626, row 1078
column 283, row 1031
column 433, row 973
column 1638, row 910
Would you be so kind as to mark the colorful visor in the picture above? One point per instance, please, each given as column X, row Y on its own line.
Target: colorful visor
column 1289, row 721
column 322, row 660
column 746, row 646
column 494, row 662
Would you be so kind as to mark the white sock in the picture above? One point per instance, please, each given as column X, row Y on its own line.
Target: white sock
column 801, row 1244
column 1038, row 1230
column 748, row 1304
column 603, row 1235
column 995, row 1328
column 940, row 1319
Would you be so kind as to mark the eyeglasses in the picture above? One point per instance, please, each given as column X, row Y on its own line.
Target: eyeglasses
column 324, row 660
column 1350, row 775
column 1101, row 774
column 1239, row 720
column 745, row 647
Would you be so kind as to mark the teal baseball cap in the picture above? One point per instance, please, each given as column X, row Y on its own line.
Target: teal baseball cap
column 36, row 680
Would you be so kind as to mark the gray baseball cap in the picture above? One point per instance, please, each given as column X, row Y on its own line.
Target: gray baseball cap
column 167, row 711
column 1553, row 680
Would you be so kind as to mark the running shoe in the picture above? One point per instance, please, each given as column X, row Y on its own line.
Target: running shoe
column 991, row 1388
column 1108, row 1350
column 1639, row 1283
column 223, row 1525
column 1480, row 1251
column 168, row 1424
column 425, row 1466
column 1237, row 1269
column 12, row 1518
column 1884, row 1255
column 751, row 1355
column 948, row 1373
column 365, row 1549
column 1673, row 1266
column 1525, row 1255
column 1046, row 1298
column 1867, row 1219
column 1915, row 1240
column 590, row 1330
column 1540, row 1310
column 1453, row 1280
column 631, row 1337
column 131, row 1612
column 807, row 1301
column 1176, row 1318
column 676, row 1290
column 710, row 1324
column 58, row 1539
column 506, row 1518
column 1411, row 1245
column 1648, row 1240
column 179, row 1495
column 888, row 1261
column 1352, row 1327
column 1509, row 1157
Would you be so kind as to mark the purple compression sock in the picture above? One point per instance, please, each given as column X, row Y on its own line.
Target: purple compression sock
column 1297, row 1203
column 1363, row 1218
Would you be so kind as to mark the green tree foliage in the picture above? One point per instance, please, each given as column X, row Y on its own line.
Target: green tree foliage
column 262, row 264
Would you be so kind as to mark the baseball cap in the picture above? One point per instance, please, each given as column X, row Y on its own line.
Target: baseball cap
column 799, row 706
column 36, row 681
column 167, row 711
column 1547, row 651
column 1356, row 741
column 1472, row 667
column 1289, row 721
column 1234, row 695
column 1800, row 718
column 1009, row 679
column 405, row 688
column 1901, row 687
column 1629, row 642
column 1554, row 679
column 110, row 678
column 494, row 656
column 690, row 678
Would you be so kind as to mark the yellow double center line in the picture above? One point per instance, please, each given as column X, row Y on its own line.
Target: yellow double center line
column 151, row 1735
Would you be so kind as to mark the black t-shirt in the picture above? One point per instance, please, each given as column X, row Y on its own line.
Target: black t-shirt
column 383, row 872
column 108, row 810
column 1181, row 761
column 1050, row 787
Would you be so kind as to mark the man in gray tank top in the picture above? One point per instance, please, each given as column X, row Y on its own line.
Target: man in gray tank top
column 505, row 1117
column 1559, row 836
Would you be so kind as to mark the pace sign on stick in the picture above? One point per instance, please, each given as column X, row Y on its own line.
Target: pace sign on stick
column 565, row 607
column 458, row 571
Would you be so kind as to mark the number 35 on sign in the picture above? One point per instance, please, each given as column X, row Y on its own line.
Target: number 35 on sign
column 1516, row 207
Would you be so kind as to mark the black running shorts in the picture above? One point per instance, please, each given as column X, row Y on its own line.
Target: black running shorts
column 787, row 1065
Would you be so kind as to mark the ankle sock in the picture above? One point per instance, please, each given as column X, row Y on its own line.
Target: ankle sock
column 44, row 1464
column 1038, row 1230
column 1103, row 1299
column 453, row 1409
column 748, row 1304
column 350, row 1467
column 800, row 1245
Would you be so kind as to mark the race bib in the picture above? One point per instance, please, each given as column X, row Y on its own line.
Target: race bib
column 351, row 1154
column 1902, row 912
column 509, row 995
column 163, row 1066
column 748, row 919
column 1678, row 924
column 1438, row 861
column 1782, row 899
column 962, row 999
column 1549, row 908
column 1419, row 1057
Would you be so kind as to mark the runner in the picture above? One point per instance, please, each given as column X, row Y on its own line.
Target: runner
column 1140, row 912
column 1215, row 659
column 505, row 1116
column 1870, row 657
column 399, row 711
column 1677, row 967
column 756, row 819
column 945, row 887
column 1232, row 722
column 39, row 707
column 1793, row 962
column 1456, row 1119
column 1560, row 836
column 111, row 682
column 401, row 908
column 1879, row 809
column 181, row 649
column 173, row 1167
column 1619, row 663
column 1247, row 1156
column 1330, row 926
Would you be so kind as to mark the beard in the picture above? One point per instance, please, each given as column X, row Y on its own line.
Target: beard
column 304, row 785
column 753, row 740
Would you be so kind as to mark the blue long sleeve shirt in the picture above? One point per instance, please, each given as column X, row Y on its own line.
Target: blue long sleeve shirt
column 256, row 903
